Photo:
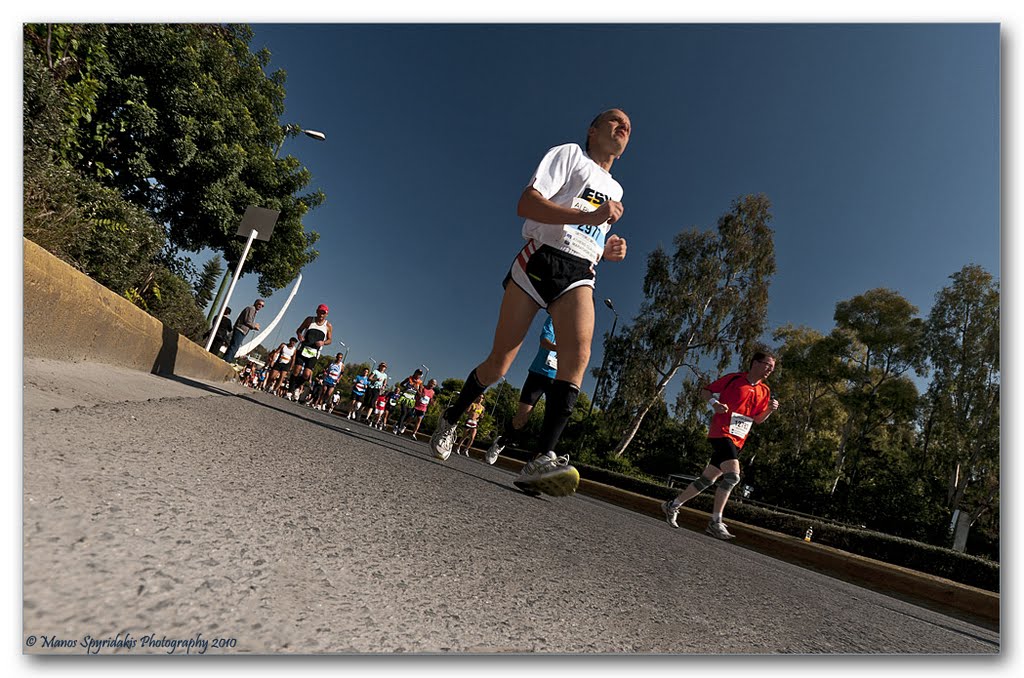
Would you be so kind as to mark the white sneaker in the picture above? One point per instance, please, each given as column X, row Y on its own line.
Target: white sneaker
column 443, row 439
column 717, row 530
column 549, row 474
column 670, row 513
column 495, row 450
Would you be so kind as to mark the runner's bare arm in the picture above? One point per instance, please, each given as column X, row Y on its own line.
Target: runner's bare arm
column 534, row 206
column 717, row 405
column 772, row 406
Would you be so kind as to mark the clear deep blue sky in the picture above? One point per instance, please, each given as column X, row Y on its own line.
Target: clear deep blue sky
column 878, row 146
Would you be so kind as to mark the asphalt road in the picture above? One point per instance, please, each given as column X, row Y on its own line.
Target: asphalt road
column 172, row 510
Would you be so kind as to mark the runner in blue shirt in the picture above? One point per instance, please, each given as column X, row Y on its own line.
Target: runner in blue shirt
column 359, row 386
column 538, row 380
column 331, row 377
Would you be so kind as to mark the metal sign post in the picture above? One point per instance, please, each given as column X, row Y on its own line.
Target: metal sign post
column 258, row 223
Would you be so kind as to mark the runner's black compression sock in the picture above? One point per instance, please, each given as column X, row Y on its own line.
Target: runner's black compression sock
column 472, row 390
column 508, row 438
column 561, row 397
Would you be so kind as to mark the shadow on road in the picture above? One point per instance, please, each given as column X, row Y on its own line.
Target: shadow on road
column 195, row 384
column 288, row 407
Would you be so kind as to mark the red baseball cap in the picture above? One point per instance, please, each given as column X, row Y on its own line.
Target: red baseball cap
column 322, row 307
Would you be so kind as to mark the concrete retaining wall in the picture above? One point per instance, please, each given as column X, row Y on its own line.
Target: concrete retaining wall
column 69, row 316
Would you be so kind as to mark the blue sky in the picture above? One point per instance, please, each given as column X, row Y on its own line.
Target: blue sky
column 878, row 146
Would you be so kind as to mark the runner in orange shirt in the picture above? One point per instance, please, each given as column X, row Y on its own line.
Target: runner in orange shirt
column 743, row 400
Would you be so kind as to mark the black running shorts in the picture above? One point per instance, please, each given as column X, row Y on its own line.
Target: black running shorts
column 546, row 273
column 722, row 449
column 534, row 387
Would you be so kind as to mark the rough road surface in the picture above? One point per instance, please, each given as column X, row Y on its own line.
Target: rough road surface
column 172, row 510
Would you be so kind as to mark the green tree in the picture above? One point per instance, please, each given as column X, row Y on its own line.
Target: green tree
column 183, row 121
column 877, row 343
column 960, row 439
column 208, row 279
column 708, row 298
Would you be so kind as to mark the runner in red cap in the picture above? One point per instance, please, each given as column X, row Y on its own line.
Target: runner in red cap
column 314, row 333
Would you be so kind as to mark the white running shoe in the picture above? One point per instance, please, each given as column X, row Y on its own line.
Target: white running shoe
column 549, row 474
column 717, row 530
column 443, row 439
column 495, row 450
column 670, row 513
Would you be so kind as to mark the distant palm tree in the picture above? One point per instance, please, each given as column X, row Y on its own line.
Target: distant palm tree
column 212, row 271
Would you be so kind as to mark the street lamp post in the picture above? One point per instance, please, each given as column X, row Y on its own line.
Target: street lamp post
column 295, row 129
column 604, row 358
column 344, row 358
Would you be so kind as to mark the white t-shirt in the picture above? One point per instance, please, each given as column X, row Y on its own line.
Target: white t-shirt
column 569, row 178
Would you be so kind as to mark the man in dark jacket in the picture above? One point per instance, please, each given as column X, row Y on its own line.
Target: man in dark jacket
column 246, row 321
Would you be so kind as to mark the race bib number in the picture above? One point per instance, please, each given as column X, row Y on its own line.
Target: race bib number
column 739, row 425
column 310, row 352
column 584, row 240
column 552, row 361
column 424, row 400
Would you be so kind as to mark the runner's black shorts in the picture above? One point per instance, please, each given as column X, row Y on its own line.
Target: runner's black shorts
column 305, row 362
column 371, row 394
column 723, row 449
column 546, row 273
column 535, row 386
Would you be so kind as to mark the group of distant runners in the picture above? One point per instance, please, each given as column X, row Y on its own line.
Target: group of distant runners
column 289, row 374
column 569, row 207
